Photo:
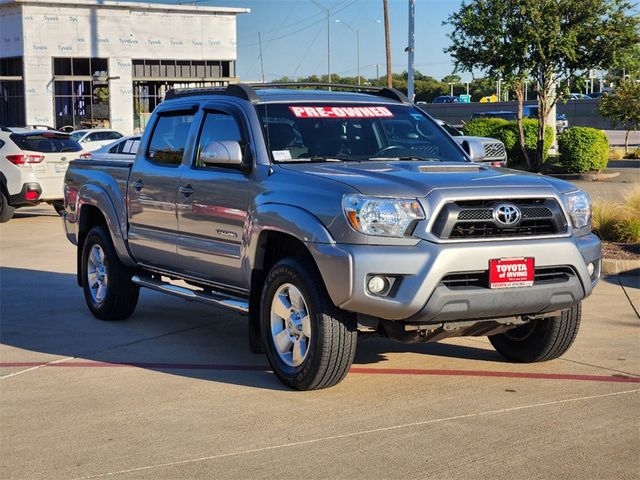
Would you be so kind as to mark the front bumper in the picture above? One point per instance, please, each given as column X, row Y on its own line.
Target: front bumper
column 420, row 294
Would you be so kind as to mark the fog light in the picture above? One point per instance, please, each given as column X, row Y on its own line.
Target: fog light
column 591, row 268
column 377, row 284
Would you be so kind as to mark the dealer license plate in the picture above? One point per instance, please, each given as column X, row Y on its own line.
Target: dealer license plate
column 511, row 272
column 61, row 167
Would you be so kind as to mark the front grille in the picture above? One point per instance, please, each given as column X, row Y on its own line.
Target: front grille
column 489, row 229
column 494, row 150
column 473, row 219
column 480, row 279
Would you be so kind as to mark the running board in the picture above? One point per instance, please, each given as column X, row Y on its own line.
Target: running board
column 216, row 299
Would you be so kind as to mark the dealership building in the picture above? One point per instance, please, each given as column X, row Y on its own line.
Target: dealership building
column 106, row 64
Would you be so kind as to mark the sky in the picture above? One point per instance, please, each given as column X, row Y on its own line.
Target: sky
column 294, row 36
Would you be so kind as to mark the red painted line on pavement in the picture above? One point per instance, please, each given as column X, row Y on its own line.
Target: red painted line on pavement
column 356, row 370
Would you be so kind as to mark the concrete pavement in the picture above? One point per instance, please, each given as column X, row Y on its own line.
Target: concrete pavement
column 175, row 393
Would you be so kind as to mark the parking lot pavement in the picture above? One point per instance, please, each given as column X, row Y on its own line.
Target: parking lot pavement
column 175, row 393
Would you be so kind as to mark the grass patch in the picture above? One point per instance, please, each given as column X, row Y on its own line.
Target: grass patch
column 618, row 222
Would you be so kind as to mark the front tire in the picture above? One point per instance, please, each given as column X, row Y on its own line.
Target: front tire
column 106, row 281
column 310, row 344
column 6, row 210
column 540, row 340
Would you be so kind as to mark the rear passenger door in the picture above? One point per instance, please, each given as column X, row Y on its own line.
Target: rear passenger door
column 213, row 203
column 153, row 191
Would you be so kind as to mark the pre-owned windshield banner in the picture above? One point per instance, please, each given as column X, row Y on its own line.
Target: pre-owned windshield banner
column 341, row 112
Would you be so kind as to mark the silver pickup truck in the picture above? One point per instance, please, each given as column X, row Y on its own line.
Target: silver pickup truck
column 323, row 215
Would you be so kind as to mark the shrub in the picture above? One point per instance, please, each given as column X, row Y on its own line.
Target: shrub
column 583, row 149
column 616, row 154
column 483, row 127
column 628, row 230
column 634, row 153
column 632, row 198
column 507, row 133
column 606, row 216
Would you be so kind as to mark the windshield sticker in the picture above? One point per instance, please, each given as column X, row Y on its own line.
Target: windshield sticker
column 281, row 155
column 341, row 112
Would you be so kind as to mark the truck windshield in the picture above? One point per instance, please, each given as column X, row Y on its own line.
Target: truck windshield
column 353, row 132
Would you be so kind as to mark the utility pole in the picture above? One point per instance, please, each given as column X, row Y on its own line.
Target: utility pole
column 357, row 32
column 387, row 43
column 410, row 50
column 261, row 62
column 328, row 10
column 467, row 88
column 329, row 44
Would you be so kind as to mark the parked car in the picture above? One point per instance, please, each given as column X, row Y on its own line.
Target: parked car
column 578, row 96
column 531, row 111
column 494, row 151
column 124, row 148
column 598, row 94
column 93, row 139
column 377, row 222
column 445, row 99
column 32, row 168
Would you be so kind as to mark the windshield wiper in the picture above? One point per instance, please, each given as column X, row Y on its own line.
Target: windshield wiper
column 406, row 159
column 314, row 159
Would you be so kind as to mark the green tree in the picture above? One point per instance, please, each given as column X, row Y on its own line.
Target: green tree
column 567, row 38
column 487, row 36
column 623, row 108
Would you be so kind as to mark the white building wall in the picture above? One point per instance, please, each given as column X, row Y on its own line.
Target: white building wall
column 42, row 32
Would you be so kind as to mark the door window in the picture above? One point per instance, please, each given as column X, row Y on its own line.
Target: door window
column 217, row 127
column 169, row 139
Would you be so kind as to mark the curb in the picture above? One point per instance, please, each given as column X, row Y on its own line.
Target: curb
column 611, row 266
column 585, row 177
column 623, row 163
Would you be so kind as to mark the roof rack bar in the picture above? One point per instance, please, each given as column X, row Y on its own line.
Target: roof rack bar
column 246, row 90
column 386, row 92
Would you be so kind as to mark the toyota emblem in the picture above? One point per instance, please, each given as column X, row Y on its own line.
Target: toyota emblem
column 507, row 214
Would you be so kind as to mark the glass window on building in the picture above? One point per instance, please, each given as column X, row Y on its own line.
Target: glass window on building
column 12, row 111
column 153, row 78
column 81, row 92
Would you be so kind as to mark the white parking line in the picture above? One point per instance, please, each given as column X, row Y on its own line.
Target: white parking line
column 353, row 434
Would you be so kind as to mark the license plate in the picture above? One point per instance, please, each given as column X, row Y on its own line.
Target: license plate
column 60, row 167
column 511, row 272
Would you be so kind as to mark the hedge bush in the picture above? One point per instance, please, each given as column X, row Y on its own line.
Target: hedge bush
column 484, row 127
column 507, row 133
column 583, row 149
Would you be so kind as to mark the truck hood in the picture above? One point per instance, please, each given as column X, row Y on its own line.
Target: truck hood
column 418, row 179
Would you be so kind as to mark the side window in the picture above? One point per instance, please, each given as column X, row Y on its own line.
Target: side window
column 169, row 139
column 93, row 137
column 115, row 148
column 111, row 135
column 217, row 127
column 134, row 147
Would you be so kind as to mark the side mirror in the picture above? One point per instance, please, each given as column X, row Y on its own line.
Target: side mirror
column 227, row 152
column 474, row 149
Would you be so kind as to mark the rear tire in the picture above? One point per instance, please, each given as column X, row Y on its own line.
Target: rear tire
column 6, row 210
column 310, row 344
column 59, row 207
column 106, row 281
column 540, row 340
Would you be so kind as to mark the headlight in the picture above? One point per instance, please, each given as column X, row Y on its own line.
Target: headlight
column 389, row 217
column 579, row 206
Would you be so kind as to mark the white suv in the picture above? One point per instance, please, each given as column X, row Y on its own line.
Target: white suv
column 32, row 168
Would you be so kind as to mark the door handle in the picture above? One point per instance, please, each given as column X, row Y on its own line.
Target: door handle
column 186, row 190
column 139, row 185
